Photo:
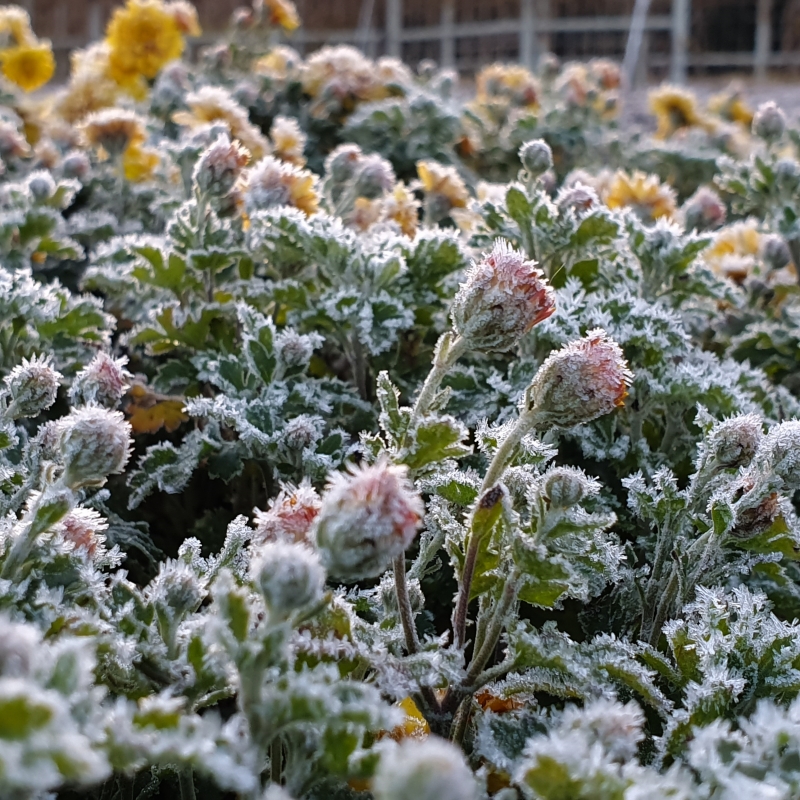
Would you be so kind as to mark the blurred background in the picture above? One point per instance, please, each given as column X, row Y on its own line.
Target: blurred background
column 681, row 39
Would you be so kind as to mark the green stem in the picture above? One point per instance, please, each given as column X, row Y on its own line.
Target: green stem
column 461, row 721
column 186, row 783
column 442, row 364
column 276, row 761
column 404, row 604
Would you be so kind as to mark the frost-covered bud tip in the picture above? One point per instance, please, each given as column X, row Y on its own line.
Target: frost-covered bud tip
column 368, row 517
column 32, row 387
column 769, row 122
column 581, row 382
column 219, row 166
column 733, row 442
column 775, row 251
column 289, row 576
column 536, row 156
column 566, row 486
column 503, row 297
column 375, row 177
column 704, row 210
column 103, row 381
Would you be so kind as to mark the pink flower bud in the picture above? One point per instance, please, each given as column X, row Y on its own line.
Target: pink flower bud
column 581, row 382
column 368, row 516
column 290, row 515
column 503, row 297
column 103, row 382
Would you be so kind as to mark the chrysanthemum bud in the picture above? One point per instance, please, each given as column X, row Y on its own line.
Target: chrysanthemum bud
column 368, row 517
column 375, row 177
column 76, row 164
column 176, row 588
column 581, row 382
column 780, row 452
column 578, row 197
column 294, row 349
column 84, row 528
column 41, row 185
column 219, row 166
column 428, row 769
column 32, row 387
column 94, row 443
column 302, row 431
column 103, row 381
column 289, row 576
column 704, row 210
column 769, row 122
column 503, row 297
column 733, row 442
column 566, row 486
column 113, row 129
column 775, row 251
column 342, row 163
column 787, row 174
column 290, row 515
column 536, row 156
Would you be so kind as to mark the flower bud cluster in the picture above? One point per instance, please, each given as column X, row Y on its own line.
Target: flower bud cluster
column 503, row 297
column 581, row 382
column 368, row 517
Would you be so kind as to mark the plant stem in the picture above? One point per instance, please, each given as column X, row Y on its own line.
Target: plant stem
column 459, row 729
column 186, row 783
column 276, row 760
column 404, row 604
column 441, row 366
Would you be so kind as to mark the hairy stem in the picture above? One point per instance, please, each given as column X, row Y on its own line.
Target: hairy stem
column 404, row 604
column 443, row 362
column 186, row 783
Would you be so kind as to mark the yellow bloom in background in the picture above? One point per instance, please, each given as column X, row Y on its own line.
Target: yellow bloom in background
column 731, row 105
column 142, row 38
column 645, row 194
column 271, row 183
column 29, row 66
column 510, row 81
column 139, row 162
column 403, row 209
column 279, row 63
column 89, row 89
column 215, row 104
column 114, row 129
column 282, row 14
column 735, row 250
column 675, row 109
column 288, row 141
column 15, row 24
column 442, row 184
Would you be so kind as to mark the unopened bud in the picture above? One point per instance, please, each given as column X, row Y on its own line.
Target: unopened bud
column 290, row 515
column 41, row 185
column 503, row 297
column 289, row 576
column 578, row 198
column 775, row 252
column 536, row 157
column 19, row 646
column 733, row 442
column 103, row 382
column 294, row 349
column 219, row 166
column 769, row 122
column 94, row 443
column 302, row 431
column 76, row 164
column 375, row 177
column 368, row 517
column 566, row 486
column 32, row 387
column 427, row 769
column 704, row 210
column 780, row 452
column 176, row 588
column 581, row 382
column 342, row 163
column 787, row 174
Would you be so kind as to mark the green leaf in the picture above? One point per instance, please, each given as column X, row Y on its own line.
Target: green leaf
column 435, row 440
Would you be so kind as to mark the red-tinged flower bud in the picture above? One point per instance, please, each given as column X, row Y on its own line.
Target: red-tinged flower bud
column 290, row 515
column 581, row 382
column 219, row 166
column 102, row 382
column 368, row 517
column 503, row 297
column 578, row 197
column 704, row 210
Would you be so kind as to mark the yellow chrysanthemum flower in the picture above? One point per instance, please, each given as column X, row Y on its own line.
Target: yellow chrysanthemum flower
column 403, row 209
column 731, row 106
column 279, row 63
column 444, row 182
column 139, row 162
column 29, row 66
column 15, row 23
column 89, row 89
column 288, row 141
column 271, row 183
column 734, row 251
column 675, row 109
column 215, row 104
column 142, row 37
column 510, row 81
column 645, row 194
column 114, row 129
column 282, row 14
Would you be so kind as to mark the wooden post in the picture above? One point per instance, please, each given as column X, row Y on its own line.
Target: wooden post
column 527, row 34
column 394, row 28
column 681, row 11
column 763, row 39
column 448, row 37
